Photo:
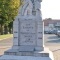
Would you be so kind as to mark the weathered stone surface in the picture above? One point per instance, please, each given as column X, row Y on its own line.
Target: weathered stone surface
column 28, row 34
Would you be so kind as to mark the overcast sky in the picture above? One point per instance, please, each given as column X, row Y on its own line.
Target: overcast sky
column 50, row 9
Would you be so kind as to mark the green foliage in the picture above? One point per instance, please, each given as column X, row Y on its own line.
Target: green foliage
column 8, row 11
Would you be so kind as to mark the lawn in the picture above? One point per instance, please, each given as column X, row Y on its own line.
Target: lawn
column 5, row 36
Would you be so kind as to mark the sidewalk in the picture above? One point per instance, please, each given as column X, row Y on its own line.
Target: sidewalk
column 4, row 48
column 56, row 51
column 5, row 44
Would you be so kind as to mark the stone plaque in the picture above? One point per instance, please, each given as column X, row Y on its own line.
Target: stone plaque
column 27, row 33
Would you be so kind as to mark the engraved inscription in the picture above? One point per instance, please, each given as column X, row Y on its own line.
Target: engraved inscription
column 27, row 33
column 27, row 27
column 39, row 37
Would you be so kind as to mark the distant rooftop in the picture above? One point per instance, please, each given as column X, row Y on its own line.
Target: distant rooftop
column 50, row 21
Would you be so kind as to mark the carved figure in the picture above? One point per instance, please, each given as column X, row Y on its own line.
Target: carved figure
column 30, row 7
column 37, row 7
column 26, row 8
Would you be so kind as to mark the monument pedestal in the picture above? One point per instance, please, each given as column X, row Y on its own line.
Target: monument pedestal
column 28, row 36
column 34, row 46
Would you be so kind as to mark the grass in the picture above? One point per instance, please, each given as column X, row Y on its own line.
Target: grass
column 5, row 36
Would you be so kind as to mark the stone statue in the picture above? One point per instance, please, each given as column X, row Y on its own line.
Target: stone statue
column 38, row 7
column 30, row 7
column 26, row 8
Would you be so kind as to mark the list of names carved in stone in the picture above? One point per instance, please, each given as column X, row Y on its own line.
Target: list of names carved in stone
column 27, row 33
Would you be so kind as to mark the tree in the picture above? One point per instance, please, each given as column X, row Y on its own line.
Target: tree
column 2, row 19
column 8, row 9
column 10, row 27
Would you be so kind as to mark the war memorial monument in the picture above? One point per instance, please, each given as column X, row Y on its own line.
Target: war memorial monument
column 28, row 34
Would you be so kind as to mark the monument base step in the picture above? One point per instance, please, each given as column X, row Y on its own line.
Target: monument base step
column 23, row 50
column 42, row 54
column 11, row 57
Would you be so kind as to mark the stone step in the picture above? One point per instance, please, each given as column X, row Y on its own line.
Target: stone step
column 11, row 57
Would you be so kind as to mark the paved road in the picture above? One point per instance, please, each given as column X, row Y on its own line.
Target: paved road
column 51, row 41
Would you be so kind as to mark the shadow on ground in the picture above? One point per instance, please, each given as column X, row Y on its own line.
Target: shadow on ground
column 53, row 39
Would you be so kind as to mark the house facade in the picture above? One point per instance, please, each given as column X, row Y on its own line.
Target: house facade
column 51, row 24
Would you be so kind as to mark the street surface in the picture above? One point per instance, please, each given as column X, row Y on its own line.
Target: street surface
column 53, row 43
column 50, row 40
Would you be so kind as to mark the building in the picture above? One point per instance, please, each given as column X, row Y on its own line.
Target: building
column 51, row 24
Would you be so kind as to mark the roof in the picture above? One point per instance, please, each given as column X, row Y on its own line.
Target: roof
column 50, row 21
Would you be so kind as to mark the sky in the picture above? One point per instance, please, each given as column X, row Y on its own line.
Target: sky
column 50, row 9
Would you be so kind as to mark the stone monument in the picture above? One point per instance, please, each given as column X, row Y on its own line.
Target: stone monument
column 28, row 33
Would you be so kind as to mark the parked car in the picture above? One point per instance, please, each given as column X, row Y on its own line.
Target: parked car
column 55, row 32
column 48, row 32
column 58, row 33
column 51, row 32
